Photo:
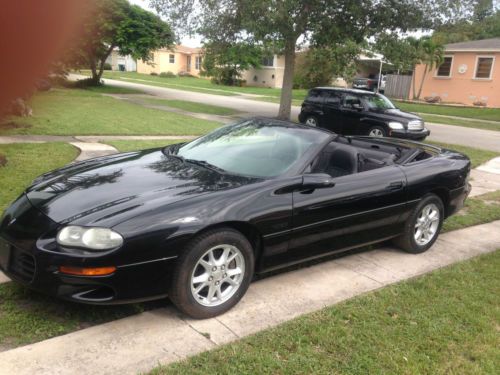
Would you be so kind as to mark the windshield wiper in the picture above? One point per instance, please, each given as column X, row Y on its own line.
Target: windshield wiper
column 205, row 164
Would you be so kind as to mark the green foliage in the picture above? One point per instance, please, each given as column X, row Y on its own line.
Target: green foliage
column 225, row 61
column 318, row 66
column 480, row 27
column 110, row 24
column 107, row 66
column 430, row 53
column 167, row 75
column 401, row 52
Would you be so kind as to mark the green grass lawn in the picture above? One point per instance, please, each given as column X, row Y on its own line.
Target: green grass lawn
column 27, row 317
column 459, row 122
column 27, row 161
column 125, row 146
column 445, row 322
column 84, row 112
column 492, row 114
column 197, row 84
column 110, row 89
column 192, row 106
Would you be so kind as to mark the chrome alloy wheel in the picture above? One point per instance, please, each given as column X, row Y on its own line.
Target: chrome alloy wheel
column 311, row 121
column 427, row 224
column 376, row 133
column 217, row 275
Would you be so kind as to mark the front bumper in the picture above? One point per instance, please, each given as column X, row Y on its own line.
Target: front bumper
column 413, row 135
column 26, row 261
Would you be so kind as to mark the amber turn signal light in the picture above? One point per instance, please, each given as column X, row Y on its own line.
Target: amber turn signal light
column 79, row 271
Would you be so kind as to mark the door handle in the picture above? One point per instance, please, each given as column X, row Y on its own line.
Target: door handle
column 395, row 185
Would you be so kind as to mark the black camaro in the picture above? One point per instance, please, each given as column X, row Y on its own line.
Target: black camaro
column 195, row 221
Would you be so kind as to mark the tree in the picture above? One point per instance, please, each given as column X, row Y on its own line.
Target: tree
column 430, row 54
column 109, row 24
column 402, row 52
column 224, row 61
column 482, row 23
column 318, row 66
column 320, row 22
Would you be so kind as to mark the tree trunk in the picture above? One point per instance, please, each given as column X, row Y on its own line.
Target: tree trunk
column 286, row 89
column 95, row 78
column 96, row 69
column 422, row 81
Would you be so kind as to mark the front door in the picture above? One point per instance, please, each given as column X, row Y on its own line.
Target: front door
column 188, row 63
column 351, row 113
column 360, row 208
column 331, row 108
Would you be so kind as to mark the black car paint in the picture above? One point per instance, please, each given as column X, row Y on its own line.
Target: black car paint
column 158, row 204
column 350, row 121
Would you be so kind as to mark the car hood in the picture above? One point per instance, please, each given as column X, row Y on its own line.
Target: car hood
column 106, row 191
column 396, row 115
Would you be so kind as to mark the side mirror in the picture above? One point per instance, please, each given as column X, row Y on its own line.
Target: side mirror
column 357, row 107
column 317, row 181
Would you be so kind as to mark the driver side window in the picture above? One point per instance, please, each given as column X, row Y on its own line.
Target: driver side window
column 351, row 102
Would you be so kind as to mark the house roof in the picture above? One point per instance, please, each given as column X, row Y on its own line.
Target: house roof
column 489, row 45
column 183, row 49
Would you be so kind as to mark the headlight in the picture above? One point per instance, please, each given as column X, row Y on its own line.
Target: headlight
column 90, row 238
column 396, row 125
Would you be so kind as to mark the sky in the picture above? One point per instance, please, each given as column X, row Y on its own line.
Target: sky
column 190, row 42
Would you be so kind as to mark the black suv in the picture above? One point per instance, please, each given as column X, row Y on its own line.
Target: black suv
column 358, row 112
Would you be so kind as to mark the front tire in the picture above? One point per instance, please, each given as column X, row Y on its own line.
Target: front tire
column 422, row 226
column 312, row 121
column 212, row 274
column 377, row 131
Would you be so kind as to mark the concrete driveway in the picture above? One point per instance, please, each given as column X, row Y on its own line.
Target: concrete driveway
column 485, row 139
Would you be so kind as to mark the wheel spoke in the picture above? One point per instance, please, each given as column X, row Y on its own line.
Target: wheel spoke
column 200, row 287
column 218, row 292
column 200, row 279
column 234, row 272
column 211, row 293
column 211, row 258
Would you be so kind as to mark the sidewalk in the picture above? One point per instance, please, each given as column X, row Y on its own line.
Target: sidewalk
column 141, row 342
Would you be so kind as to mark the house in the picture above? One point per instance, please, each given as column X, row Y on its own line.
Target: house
column 270, row 73
column 121, row 63
column 180, row 59
column 469, row 74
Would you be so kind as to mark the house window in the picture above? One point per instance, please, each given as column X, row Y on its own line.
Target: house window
column 171, row 58
column 267, row 61
column 484, row 67
column 197, row 62
column 444, row 70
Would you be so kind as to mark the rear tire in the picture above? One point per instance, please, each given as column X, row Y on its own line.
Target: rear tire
column 212, row 274
column 422, row 226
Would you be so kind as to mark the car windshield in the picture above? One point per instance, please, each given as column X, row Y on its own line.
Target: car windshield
column 256, row 147
column 378, row 101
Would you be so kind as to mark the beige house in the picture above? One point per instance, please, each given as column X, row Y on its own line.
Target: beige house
column 469, row 74
column 180, row 59
column 270, row 74
column 121, row 63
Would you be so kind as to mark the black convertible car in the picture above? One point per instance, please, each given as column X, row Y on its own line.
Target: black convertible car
column 195, row 221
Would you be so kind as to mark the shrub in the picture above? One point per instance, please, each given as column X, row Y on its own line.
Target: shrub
column 185, row 74
column 167, row 75
column 107, row 66
column 153, row 74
